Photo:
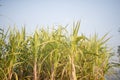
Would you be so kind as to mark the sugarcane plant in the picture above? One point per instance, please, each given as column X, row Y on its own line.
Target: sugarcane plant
column 53, row 54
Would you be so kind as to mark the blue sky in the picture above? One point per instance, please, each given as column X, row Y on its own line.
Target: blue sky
column 96, row 16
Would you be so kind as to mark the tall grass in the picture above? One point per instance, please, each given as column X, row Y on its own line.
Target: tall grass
column 52, row 55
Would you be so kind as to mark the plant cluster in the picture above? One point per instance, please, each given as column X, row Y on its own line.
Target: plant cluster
column 52, row 55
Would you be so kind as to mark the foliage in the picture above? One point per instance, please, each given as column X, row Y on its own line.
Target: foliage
column 52, row 55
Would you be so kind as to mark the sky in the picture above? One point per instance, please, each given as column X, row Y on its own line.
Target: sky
column 96, row 16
